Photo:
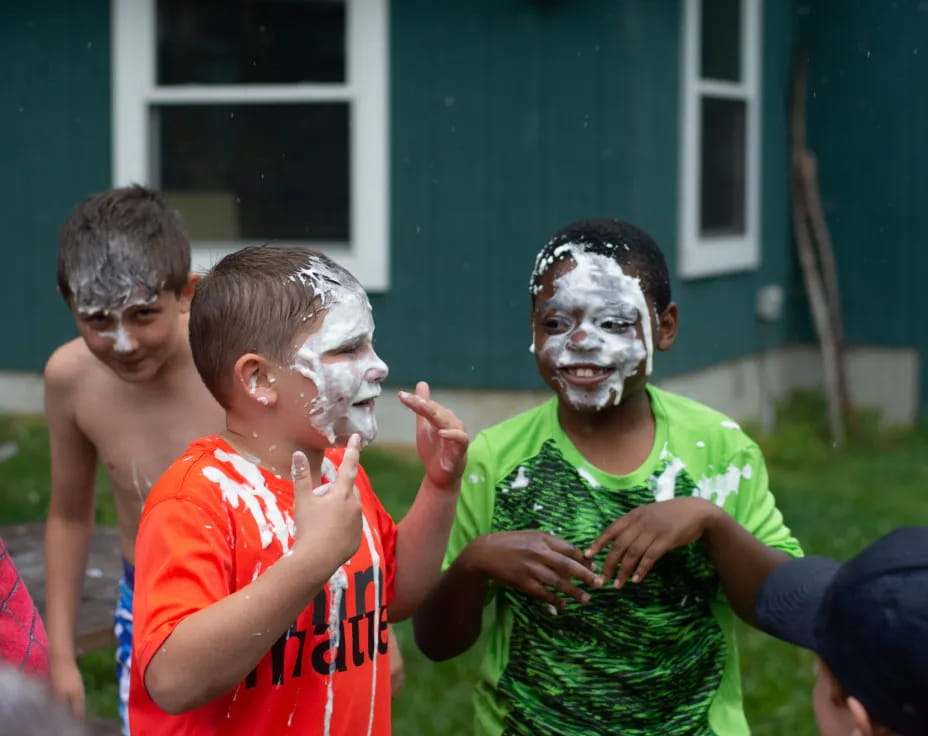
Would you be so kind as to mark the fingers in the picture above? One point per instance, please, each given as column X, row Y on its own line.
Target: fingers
column 633, row 553
column 458, row 436
column 344, row 479
column 610, row 533
column 535, row 589
column 564, row 586
column 299, row 472
column 572, row 565
column 637, row 558
column 76, row 703
column 348, row 470
column 437, row 415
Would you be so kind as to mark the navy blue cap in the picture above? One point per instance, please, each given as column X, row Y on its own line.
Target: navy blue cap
column 867, row 619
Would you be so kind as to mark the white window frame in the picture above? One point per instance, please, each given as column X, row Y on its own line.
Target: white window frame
column 700, row 255
column 367, row 256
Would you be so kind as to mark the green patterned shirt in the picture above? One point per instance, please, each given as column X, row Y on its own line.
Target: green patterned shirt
column 658, row 657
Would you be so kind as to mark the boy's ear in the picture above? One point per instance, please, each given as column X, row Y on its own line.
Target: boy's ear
column 667, row 325
column 186, row 293
column 253, row 376
column 862, row 723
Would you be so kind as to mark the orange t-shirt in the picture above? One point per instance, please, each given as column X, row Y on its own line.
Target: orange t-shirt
column 211, row 525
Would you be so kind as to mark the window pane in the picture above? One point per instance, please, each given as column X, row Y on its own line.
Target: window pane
column 721, row 40
column 250, row 41
column 256, row 172
column 722, row 167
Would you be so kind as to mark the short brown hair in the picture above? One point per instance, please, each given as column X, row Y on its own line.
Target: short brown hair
column 258, row 300
column 119, row 240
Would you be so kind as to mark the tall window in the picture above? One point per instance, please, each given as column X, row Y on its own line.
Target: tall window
column 261, row 120
column 720, row 161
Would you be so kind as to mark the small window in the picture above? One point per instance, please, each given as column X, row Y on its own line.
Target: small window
column 720, row 162
column 261, row 120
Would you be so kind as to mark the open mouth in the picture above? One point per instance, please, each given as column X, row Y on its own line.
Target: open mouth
column 585, row 374
column 366, row 404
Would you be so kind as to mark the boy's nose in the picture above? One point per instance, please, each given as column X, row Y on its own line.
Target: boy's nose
column 582, row 340
column 124, row 342
column 377, row 371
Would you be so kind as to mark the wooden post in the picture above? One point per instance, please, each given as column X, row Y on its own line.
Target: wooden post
column 816, row 257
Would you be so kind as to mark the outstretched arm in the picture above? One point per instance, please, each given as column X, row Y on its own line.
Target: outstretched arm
column 67, row 530
column 422, row 535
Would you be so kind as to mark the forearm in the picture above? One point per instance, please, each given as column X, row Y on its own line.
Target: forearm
column 67, row 545
column 214, row 649
column 448, row 621
column 421, row 540
column 742, row 562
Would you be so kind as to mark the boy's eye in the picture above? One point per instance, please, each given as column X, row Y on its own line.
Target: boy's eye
column 96, row 319
column 615, row 325
column 346, row 350
column 554, row 324
column 147, row 313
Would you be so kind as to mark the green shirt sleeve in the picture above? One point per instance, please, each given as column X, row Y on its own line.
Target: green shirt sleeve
column 754, row 505
column 475, row 506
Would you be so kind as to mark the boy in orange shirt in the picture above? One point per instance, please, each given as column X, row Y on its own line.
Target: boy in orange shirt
column 261, row 602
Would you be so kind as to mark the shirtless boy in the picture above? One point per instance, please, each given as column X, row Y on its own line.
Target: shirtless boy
column 126, row 392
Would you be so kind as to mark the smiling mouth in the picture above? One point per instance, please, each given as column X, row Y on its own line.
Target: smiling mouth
column 584, row 375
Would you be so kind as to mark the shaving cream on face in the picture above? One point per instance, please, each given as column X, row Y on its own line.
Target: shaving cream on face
column 596, row 307
column 114, row 308
column 339, row 359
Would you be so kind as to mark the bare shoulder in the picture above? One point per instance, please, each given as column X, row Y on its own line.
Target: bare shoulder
column 68, row 367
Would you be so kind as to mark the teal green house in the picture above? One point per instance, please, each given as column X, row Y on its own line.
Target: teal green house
column 433, row 147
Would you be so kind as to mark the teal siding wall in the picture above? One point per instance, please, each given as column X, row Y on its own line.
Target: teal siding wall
column 511, row 119
column 55, row 149
column 508, row 119
column 868, row 125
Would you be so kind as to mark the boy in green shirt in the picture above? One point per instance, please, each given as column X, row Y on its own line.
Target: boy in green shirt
column 579, row 520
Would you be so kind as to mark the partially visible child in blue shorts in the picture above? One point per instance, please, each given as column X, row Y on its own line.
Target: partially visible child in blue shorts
column 124, row 394
column 611, row 532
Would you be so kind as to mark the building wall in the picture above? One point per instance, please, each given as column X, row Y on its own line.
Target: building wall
column 508, row 119
column 867, row 119
column 54, row 148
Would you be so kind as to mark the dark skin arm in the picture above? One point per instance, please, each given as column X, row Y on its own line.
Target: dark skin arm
column 644, row 535
column 538, row 564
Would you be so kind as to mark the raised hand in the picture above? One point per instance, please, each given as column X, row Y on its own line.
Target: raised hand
column 645, row 534
column 536, row 563
column 440, row 437
column 328, row 518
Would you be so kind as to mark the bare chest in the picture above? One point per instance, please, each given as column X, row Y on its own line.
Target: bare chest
column 138, row 432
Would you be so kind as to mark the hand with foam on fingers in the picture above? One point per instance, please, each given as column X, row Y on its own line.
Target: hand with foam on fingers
column 328, row 518
column 441, row 439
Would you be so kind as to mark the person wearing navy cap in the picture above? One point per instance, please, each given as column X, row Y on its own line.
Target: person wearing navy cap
column 867, row 620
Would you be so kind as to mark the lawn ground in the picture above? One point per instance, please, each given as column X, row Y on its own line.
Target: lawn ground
column 835, row 502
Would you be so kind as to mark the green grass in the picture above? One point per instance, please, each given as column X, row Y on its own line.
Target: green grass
column 835, row 502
